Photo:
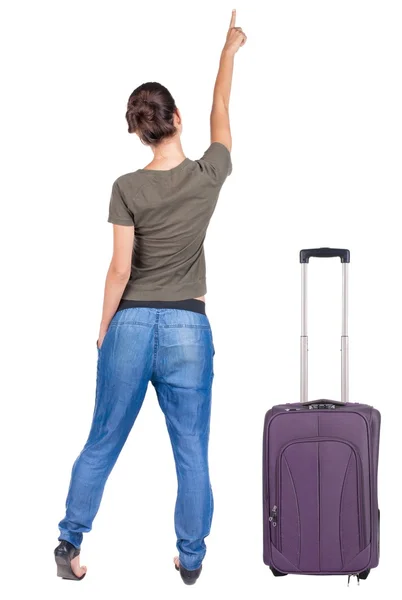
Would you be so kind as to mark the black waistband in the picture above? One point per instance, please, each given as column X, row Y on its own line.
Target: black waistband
column 192, row 304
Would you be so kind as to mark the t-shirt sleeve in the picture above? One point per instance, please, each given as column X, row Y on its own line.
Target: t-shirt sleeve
column 119, row 212
column 216, row 162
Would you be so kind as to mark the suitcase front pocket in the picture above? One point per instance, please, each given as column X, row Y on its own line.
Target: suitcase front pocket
column 319, row 504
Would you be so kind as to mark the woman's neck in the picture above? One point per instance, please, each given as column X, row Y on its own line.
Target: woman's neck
column 167, row 155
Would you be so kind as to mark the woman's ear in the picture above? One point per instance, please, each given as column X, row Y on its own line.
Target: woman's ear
column 176, row 118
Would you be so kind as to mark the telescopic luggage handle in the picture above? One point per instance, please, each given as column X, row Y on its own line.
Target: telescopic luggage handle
column 343, row 254
column 305, row 255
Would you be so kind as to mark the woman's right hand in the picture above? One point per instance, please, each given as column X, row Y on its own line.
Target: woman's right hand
column 220, row 125
column 235, row 37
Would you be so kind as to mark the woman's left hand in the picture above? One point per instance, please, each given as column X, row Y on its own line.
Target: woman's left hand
column 102, row 333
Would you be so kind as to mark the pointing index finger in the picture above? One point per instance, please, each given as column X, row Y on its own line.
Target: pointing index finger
column 233, row 19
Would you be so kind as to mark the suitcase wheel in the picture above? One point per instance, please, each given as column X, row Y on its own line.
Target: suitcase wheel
column 277, row 573
column 364, row 574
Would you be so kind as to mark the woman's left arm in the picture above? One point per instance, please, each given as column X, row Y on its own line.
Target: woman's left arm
column 117, row 276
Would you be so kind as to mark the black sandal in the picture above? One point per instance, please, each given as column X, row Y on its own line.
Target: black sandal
column 189, row 577
column 64, row 554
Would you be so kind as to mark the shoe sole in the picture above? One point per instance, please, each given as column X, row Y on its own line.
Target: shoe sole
column 187, row 580
column 64, row 569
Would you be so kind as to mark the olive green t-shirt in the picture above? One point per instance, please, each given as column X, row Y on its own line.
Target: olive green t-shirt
column 170, row 211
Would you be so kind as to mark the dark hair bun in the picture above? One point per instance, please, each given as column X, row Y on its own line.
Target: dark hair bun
column 150, row 111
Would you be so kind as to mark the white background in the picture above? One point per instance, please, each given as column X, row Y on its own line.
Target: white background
column 317, row 129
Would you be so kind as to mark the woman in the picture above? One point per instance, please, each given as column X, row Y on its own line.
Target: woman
column 154, row 327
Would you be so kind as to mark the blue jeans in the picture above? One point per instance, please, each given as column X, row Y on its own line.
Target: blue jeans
column 174, row 350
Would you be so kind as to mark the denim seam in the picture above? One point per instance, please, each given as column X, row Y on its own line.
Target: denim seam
column 178, row 326
column 156, row 341
column 150, row 325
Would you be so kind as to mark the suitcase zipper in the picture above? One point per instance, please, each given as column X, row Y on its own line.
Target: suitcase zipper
column 278, row 496
column 273, row 519
column 362, row 520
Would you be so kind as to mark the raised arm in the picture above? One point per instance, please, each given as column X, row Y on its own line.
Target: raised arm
column 220, row 123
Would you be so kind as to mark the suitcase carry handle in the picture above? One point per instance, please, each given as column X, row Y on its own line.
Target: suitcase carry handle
column 312, row 402
column 344, row 255
column 324, row 404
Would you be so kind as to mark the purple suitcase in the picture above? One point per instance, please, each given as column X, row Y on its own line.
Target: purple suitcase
column 320, row 463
